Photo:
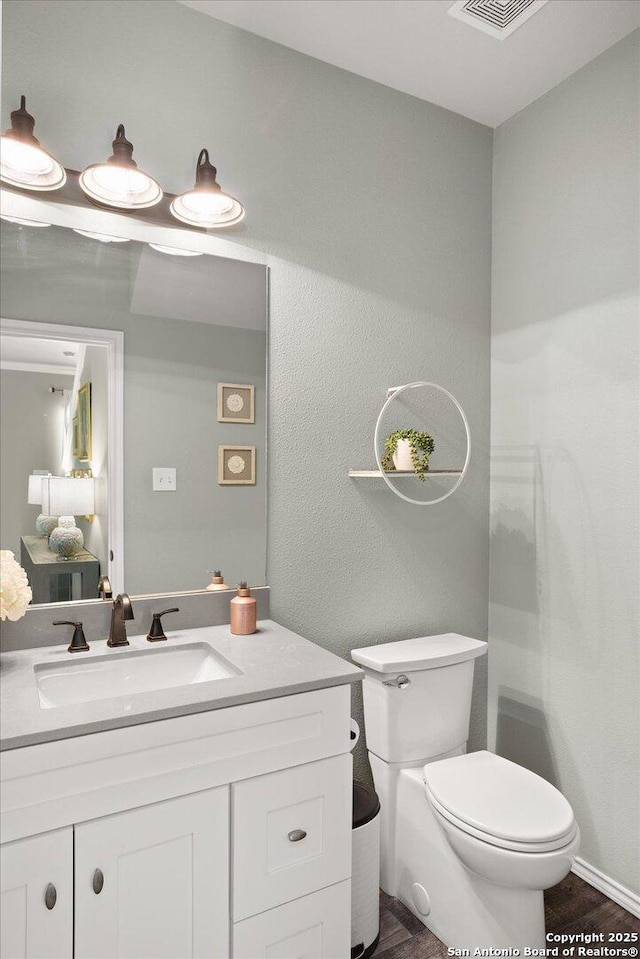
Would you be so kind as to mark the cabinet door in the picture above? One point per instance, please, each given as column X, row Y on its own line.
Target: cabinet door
column 314, row 927
column 153, row 883
column 291, row 834
column 36, row 897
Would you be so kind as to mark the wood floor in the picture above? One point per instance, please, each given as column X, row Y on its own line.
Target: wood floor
column 571, row 906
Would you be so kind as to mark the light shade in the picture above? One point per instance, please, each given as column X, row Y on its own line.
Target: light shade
column 34, row 492
column 23, row 162
column 68, row 496
column 21, row 222
column 118, row 182
column 173, row 250
column 102, row 237
column 207, row 205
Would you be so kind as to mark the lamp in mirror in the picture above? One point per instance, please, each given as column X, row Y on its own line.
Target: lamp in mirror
column 118, row 182
column 207, row 205
column 23, row 162
column 68, row 496
column 45, row 524
column 34, row 489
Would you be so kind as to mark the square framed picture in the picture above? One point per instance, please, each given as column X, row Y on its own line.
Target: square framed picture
column 237, row 465
column 236, row 403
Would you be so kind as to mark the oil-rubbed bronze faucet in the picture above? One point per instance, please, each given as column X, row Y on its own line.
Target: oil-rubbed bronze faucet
column 104, row 588
column 122, row 610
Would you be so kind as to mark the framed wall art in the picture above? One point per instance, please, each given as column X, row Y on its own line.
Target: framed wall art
column 84, row 423
column 237, row 465
column 236, row 403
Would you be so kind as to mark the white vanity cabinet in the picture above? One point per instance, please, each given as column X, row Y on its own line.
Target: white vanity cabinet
column 153, row 881
column 36, row 896
column 224, row 834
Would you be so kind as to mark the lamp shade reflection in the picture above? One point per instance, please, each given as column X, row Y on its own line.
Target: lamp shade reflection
column 68, row 496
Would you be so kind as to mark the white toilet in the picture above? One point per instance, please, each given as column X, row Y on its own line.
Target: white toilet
column 469, row 841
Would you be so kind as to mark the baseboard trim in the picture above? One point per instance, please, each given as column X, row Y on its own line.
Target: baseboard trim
column 620, row 894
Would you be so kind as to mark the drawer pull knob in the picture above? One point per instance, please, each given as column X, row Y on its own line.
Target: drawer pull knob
column 98, row 881
column 296, row 835
column 50, row 896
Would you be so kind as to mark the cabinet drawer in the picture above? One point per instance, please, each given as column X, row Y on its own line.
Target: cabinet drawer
column 314, row 927
column 291, row 834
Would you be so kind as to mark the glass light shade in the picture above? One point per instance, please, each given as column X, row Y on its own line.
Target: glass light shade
column 21, row 222
column 173, row 250
column 34, row 491
column 28, row 166
column 68, row 495
column 207, row 208
column 118, row 182
column 102, row 237
column 127, row 189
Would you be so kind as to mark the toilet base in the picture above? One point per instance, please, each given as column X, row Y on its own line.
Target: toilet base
column 462, row 909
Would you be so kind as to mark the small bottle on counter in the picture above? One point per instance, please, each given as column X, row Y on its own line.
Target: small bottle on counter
column 217, row 581
column 243, row 612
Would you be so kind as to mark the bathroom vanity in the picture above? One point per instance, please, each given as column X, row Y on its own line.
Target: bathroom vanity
column 206, row 819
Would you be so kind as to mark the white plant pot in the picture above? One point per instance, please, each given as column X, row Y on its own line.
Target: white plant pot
column 402, row 456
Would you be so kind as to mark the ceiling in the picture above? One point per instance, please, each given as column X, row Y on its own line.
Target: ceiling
column 415, row 47
column 38, row 356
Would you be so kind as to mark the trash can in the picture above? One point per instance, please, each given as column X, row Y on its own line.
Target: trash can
column 365, row 872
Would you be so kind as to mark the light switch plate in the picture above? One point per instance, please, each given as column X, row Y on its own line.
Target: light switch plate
column 164, row 479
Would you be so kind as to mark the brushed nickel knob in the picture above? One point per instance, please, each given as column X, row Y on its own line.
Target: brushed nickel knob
column 98, row 881
column 50, row 896
column 296, row 835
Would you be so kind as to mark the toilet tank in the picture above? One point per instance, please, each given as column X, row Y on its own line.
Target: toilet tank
column 429, row 715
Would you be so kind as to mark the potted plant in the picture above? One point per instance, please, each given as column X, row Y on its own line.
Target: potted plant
column 408, row 450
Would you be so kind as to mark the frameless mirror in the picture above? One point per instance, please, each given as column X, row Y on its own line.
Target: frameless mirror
column 169, row 422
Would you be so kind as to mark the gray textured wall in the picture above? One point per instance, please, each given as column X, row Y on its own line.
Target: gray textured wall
column 374, row 210
column 564, row 549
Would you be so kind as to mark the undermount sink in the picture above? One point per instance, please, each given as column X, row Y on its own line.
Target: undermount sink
column 130, row 672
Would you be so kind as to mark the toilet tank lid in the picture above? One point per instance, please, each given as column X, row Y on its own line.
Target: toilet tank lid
column 425, row 652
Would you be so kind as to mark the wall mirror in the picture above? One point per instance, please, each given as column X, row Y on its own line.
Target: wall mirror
column 141, row 369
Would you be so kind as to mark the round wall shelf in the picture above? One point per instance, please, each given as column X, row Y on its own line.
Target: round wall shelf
column 401, row 410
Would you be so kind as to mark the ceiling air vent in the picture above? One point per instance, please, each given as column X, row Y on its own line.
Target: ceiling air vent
column 498, row 18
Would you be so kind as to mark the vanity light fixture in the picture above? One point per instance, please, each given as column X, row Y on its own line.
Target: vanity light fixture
column 118, row 182
column 206, row 205
column 23, row 162
column 102, row 237
column 173, row 250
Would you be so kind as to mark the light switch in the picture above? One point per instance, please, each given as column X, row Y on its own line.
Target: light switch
column 164, row 479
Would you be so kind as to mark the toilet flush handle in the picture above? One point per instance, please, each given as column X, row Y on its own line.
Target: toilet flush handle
column 400, row 682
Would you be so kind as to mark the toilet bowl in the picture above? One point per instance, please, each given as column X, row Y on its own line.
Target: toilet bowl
column 504, row 822
column 469, row 841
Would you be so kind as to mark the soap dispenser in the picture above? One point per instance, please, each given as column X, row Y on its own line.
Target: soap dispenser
column 217, row 581
column 243, row 612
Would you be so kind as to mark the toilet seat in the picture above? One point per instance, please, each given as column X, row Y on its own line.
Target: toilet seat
column 500, row 803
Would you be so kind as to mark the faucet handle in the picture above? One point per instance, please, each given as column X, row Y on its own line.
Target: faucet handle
column 156, row 633
column 78, row 644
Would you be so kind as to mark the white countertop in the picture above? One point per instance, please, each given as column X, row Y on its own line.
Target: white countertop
column 274, row 662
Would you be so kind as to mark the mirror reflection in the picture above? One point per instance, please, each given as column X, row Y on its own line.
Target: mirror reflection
column 156, row 479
